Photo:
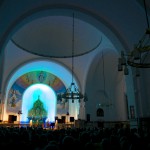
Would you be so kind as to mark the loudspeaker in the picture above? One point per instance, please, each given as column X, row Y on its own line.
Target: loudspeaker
column 88, row 117
column 56, row 118
column 71, row 119
column 59, row 120
column 63, row 118
column 12, row 118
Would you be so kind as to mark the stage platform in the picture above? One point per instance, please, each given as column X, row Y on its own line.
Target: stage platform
column 6, row 124
column 55, row 126
column 58, row 126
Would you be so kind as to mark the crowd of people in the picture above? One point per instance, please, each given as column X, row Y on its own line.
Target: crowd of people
column 38, row 138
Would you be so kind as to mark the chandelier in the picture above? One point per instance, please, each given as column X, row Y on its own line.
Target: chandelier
column 72, row 92
column 139, row 56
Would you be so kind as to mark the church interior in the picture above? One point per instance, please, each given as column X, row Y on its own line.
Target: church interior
column 76, row 63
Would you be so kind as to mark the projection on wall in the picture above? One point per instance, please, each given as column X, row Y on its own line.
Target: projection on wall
column 39, row 104
column 32, row 86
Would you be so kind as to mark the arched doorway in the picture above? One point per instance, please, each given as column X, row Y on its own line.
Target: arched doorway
column 39, row 103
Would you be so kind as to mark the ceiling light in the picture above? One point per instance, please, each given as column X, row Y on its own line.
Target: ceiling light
column 72, row 92
column 139, row 56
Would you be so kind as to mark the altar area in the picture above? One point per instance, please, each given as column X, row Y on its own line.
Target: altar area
column 37, row 115
column 46, row 125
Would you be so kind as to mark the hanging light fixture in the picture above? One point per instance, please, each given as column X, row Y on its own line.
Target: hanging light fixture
column 138, row 57
column 105, row 104
column 72, row 92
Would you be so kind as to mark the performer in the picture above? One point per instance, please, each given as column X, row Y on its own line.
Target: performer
column 52, row 125
column 30, row 123
column 48, row 124
column 67, row 114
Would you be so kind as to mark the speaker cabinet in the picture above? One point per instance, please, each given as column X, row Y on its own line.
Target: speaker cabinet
column 59, row 120
column 71, row 119
column 63, row 118
column 56, row 118
column 12, row 118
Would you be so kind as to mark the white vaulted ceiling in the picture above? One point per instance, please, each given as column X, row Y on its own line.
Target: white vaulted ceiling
column 45, row 28
column 53, row 35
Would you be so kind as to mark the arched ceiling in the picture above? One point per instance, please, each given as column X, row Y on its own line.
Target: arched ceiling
column 47, row 31
column 51, row 69
column 50, row 32
column 55, row 36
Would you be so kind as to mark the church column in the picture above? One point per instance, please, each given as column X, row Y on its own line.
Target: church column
column 2, row 57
